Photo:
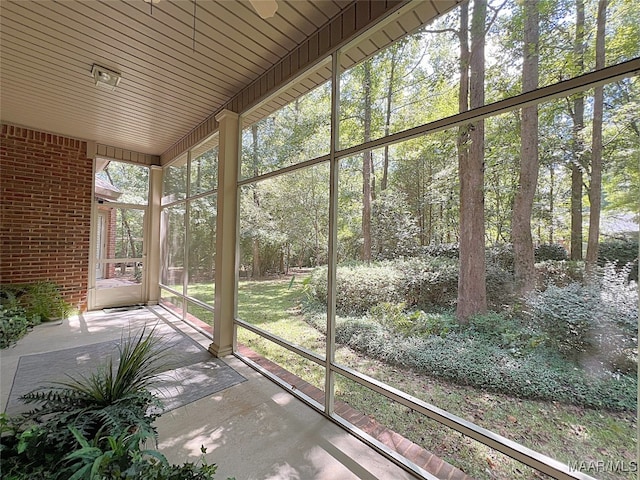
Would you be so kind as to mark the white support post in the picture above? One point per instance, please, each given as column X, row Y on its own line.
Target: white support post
column 226, row 227
column 152, row 259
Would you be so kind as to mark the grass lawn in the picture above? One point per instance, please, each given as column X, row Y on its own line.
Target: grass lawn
column 565, row 432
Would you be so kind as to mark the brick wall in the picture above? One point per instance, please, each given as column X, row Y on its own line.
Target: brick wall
column 45, row 211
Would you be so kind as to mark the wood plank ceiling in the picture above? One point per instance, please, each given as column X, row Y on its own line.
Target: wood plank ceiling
column 180, row 61
column 176, row 68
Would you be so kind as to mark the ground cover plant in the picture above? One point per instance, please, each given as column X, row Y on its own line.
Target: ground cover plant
column 502, row 371
column 23, row 306
column 97, row 426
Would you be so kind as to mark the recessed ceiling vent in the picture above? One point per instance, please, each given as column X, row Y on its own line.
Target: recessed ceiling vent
column 104, row 77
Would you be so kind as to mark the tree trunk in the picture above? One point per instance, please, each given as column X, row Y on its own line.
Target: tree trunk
column 255, row 242
column 578, row 126
column 523, row 253
column 472, row 290
column 366, row 167
column 595, row 186
column 387, row 121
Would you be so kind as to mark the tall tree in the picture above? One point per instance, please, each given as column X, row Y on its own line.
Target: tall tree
column 523, row 251
column 578, row 149
column 472, row 289
column 367, row 160
column 256, row 268
column 595, row 186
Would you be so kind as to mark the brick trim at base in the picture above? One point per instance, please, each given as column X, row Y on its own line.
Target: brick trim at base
column 396, row 442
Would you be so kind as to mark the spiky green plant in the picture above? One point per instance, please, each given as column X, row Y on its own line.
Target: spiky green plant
column 114, row 398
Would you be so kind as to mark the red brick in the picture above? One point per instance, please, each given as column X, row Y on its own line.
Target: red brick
column 45, row 210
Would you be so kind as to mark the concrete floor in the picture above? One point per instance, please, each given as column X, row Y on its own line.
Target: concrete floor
column 253, row 430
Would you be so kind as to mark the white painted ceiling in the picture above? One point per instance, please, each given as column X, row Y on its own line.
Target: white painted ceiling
column 177, row 68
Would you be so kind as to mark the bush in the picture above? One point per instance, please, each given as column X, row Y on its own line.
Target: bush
column 620, row 251
column 446, row 250
column 467, row 359
column 412, row 323
column 559, row 273
column 501, row 255
column 429, row 282
column 14, row 324
column 95, row 426
column 42, row 299
column 599, row 319
column 565, row 315
column 426, row 283
column 550, row 251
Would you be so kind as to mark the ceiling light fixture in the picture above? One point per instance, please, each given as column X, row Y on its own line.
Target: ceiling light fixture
column 265, row 8
column 104, row 77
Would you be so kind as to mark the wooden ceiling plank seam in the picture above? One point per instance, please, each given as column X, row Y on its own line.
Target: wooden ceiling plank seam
column 290, row 11
column 160, row 70
column 303, row 54
column 348, row 21
column 324, row 39
column 104, row 32
column 185, row 53
column 280, row 24
column 135, row 139
column 79, row 110
column 363, row 14
column 179, row 99
column 240, row 40
column 258, row 35
column 174, row 100
column 169, row 75
column 220, row 50
column 347, row 18
column 74, row 95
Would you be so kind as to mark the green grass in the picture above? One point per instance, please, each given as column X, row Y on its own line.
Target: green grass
column 564, row 432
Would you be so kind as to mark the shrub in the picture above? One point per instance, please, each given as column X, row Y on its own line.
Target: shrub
column 429, row 282
column 446, row 250
column 550, row 251
column 42, row 299
column 620, row 251
column 500, row 254
column 468, row 359
column 426, row 283
column 412, row 323
column 559, row 273
column 14, row 324
column 506, row 332
column 565, row 315
column 95, row 426
column 599, row 319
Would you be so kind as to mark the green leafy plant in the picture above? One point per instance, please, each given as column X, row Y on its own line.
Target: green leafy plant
column 95, row 426
column 15, row 324
column 43, row 299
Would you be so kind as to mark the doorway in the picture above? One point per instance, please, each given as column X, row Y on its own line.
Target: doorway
column 120, row 229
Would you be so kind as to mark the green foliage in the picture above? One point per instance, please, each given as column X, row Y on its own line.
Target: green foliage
column 42, row 299
column 412, row 323
column 14, row 324
column 559, row 273
column 550, row 251
column 565, row 315
column 597, row 320
column 620, row 251
column 425, row 283
column 94, row 427
column 467, row 358
column 112, row 398
column 393, row 229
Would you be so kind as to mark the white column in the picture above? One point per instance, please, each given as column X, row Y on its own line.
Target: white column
column 226, row 228
column 153, row 236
